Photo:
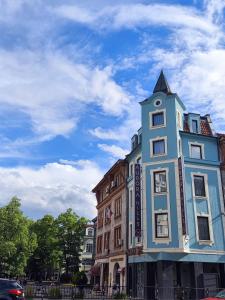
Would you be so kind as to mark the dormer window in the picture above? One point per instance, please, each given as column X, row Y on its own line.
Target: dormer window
column 195, row 126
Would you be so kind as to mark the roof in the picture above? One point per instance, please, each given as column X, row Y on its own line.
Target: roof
column 119, row 162
column 204, row 125
column 162, row 85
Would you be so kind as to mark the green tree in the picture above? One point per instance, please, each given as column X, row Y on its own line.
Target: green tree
column 71, row 230
column 16, row 239
column 47, row 256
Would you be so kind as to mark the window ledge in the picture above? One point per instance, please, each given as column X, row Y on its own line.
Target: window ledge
column 158, row 155
column 160, row 194
column 201, row 197
column 162, row 240
column 157, row 126
column 209, row 243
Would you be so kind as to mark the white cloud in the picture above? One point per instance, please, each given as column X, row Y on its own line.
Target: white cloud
column 52, row 188
column 116, row 16
column 115, row 151
column 52, row 90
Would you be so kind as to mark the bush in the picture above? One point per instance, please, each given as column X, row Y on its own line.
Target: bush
column 54, row 293
column 120, row 296
column 66, row 278
column 79, row 278
column 29, row 292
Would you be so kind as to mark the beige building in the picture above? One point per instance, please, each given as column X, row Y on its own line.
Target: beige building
column 111, row 236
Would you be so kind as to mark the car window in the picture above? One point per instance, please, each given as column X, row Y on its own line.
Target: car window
column 221, row 294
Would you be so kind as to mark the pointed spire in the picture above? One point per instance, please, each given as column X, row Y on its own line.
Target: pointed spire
column 162, row 84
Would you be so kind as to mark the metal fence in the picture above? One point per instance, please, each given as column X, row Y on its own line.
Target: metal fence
column 109, row 292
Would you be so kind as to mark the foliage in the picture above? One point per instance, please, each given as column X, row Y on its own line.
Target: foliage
column 54, row 293
column 16, row 239
column 66, row 278
column 79, row 278
column 29, row 292
column 71, row 230
column 120, row 296
column 47, row 256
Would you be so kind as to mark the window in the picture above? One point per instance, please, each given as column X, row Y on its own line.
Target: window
column 89, row 247
column 108, row 214
column 199, row 186
column 158, row 147
column 196, row 151
column 117, row 208
column 179, row 119
column 100, row 219
column 90, row 231
column 131, row 170
column 117, row 237
column 195, row 126
column 106, row 240
column 160, row 182
column 131, row 234
column 131, row 198
column 99, row 244
column 161, row 228
column 203, row 228
column 157, row 119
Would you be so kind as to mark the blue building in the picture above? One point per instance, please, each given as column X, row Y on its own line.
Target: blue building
column 182, row 241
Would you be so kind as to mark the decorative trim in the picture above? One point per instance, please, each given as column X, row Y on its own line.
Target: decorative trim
column 158, row 104
column 201, row 167
column 159, row 162
column 182, row 250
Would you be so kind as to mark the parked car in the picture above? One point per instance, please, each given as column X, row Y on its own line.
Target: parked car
column 10, row 290
column 219, row 296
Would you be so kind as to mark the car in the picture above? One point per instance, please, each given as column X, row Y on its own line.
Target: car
column 10, row 290
column 220, row 295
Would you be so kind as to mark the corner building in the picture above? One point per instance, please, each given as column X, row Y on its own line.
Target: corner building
column 182, row 242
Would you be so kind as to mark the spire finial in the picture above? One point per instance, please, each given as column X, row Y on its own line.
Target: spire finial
column 162, row 84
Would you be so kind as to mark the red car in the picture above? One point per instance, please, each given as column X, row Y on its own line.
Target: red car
column 220, row 295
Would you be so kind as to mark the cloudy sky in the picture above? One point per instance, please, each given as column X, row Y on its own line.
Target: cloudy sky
column 72, row 74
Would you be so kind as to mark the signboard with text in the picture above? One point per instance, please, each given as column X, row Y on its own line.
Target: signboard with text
column 137, row 197
column 183, row 214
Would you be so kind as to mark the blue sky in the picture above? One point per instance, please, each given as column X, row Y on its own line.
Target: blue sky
column 72, row 74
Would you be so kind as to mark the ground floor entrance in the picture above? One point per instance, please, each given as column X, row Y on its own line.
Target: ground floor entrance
column 175, row 280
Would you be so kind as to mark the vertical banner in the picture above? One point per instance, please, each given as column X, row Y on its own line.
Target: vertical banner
column 137, row 195
column 183, row 214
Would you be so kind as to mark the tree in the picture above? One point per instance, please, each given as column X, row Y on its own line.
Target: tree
column 71, row 230
column 16, row 239
column 47, row 256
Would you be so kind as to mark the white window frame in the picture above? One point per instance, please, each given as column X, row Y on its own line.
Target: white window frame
column 161, row 240
column 179, row 119
column 206, row 185
column 153, row 177
column 158, row 138
column 151, row 118
column 211, row 239
column 197, row 144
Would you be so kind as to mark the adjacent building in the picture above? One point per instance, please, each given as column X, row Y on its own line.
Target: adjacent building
column 87, row 248
column 111, row 226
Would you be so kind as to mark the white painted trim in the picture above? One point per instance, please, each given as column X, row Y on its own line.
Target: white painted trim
column 158, row 138
column 197, row 144
column 221, row 199
column 179, row 223
column 144, row 214
column 201, row 167
column 179, row 124
column 151, row 113
column 183, row 250
column 153, row 195
column 157, row 100
column 159, row 162
column 196, row 214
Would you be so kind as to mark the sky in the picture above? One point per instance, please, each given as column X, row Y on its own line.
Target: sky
column 72, row 76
